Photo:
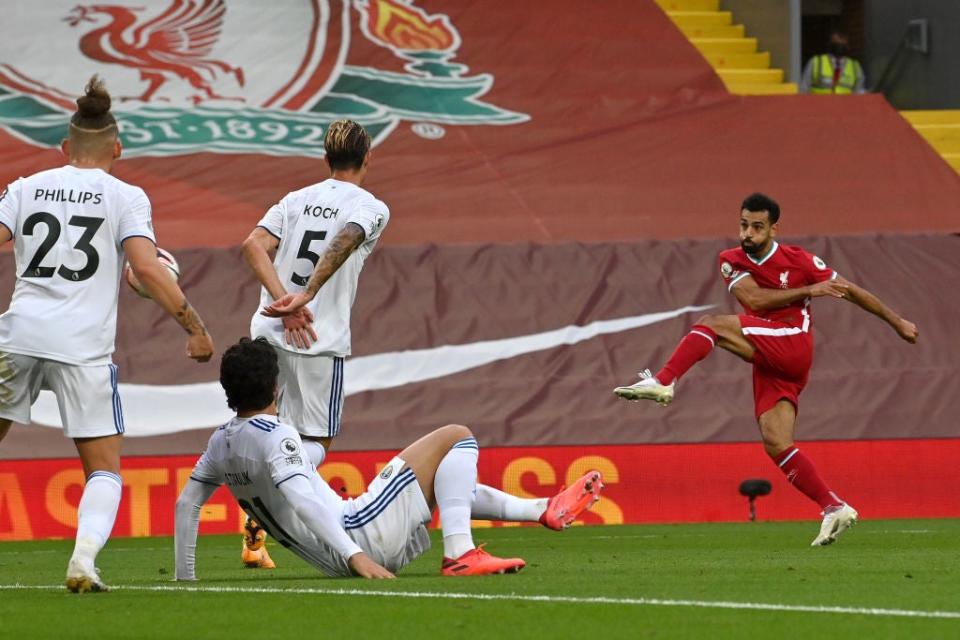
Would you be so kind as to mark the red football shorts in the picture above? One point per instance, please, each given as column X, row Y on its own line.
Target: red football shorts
column 781, row 363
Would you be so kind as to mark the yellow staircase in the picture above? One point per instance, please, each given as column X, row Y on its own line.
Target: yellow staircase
column 941, row 129
column 735, row 58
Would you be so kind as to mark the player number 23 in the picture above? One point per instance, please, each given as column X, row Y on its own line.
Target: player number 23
column 89, row 225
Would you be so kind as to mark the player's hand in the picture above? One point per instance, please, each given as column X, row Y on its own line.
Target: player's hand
column 830, row 288
column 363, row 566
column 200, row 347
column 287, row 305
column 298, row 329
column 907, row 330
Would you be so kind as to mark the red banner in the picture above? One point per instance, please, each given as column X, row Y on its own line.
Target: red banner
column 644, row 483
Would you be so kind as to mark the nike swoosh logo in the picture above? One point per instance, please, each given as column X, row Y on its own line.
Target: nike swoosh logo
column 151, row 410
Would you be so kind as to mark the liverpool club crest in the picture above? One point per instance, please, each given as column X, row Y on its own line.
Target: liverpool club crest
column 233, row 76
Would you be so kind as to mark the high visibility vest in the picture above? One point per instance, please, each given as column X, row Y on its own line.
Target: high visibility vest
column 821, row 80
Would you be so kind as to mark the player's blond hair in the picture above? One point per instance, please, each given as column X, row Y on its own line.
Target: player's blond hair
column 93, row 127
column 346, row 145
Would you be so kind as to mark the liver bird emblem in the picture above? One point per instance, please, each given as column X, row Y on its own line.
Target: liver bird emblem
column 175, row 44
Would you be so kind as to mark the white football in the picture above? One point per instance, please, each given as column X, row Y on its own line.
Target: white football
column 166, row 259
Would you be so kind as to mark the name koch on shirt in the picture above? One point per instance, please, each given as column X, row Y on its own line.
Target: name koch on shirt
column 320, row 211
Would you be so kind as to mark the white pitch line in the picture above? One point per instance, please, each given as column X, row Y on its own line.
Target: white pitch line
column 513, row 597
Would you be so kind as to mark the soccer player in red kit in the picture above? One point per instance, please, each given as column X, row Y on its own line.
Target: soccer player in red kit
column 774, row 283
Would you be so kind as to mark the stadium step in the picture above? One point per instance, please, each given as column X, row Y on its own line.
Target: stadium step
column 941, row 116
column 941, row 129
column 751, row 76
column 730, row 31
column 760, row 89
column 725, row 45
column 689, row 5
column 701, row 18
column 736, row 59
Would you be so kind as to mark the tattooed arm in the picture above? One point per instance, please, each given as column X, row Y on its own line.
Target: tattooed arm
column 339, row 249
column 142, row 254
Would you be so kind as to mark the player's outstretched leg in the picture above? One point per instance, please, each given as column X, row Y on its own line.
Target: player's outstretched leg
column 693, row 348
column 445, row 463
column 710, row 331
column 557, row 512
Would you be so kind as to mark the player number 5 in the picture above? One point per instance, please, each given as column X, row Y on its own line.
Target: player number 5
column 305, row 254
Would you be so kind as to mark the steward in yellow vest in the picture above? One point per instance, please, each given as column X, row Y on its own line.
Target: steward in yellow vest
column 835, row 75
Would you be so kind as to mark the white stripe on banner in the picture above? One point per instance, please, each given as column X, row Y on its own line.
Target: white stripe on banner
column 151, row 410
column 510, row 597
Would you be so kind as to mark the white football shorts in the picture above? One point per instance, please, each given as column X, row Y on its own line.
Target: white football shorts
column 389, row 520
column 87, row 396
column 311, row 393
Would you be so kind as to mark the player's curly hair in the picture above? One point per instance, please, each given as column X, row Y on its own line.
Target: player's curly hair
column 346, row 145
column 758, row 202
column 93, row 107
column 248, row 373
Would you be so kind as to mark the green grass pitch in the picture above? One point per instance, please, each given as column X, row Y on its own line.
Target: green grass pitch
column 884, row 579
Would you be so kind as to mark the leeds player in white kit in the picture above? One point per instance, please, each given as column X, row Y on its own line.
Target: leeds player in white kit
column 321, row 235
column 71, row 227
column 262, row 461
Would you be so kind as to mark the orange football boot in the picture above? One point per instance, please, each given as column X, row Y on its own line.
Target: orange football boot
column 254, row 552
column 563, row 508
column 478, row 562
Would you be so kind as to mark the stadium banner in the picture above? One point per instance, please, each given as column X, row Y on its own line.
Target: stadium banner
column 644, row 484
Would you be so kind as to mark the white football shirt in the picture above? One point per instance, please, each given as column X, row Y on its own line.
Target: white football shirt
column 305, row 222
column 253, row 457
column 69, row 225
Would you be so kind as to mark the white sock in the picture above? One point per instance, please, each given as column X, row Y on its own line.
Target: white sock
column 493, row 504
column 454, row 486
column 315, row 452
column 96, row 515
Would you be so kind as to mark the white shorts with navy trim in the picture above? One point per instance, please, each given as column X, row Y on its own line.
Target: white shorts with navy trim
column 310, row 395
column 389, row 520
column 87, row 395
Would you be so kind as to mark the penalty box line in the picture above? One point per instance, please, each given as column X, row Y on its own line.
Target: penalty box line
column 513, row 597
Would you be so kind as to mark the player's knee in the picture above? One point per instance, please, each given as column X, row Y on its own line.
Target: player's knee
column 774, row 442
column 710, row 321
column 456, row 432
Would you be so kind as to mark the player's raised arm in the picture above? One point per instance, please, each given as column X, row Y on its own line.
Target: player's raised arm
column 752, row 295
column 194, row 495
column 142, row 255
column 343, row 244
column 869, row 302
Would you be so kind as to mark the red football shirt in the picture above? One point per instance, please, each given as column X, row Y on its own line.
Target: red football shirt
column 783, row 267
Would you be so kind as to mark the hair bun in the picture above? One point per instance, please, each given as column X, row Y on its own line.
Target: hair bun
column 96, row 101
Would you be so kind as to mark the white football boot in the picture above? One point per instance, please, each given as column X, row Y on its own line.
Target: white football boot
column 83, row 577
column 834, row 523
column 648, row 388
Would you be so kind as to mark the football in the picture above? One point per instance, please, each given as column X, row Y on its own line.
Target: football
column 166, row 259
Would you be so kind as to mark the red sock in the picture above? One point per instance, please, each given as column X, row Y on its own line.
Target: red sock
column 694, row 347
column 803, row 475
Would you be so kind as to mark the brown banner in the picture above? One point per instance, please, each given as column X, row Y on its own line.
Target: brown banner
column 866, row 382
